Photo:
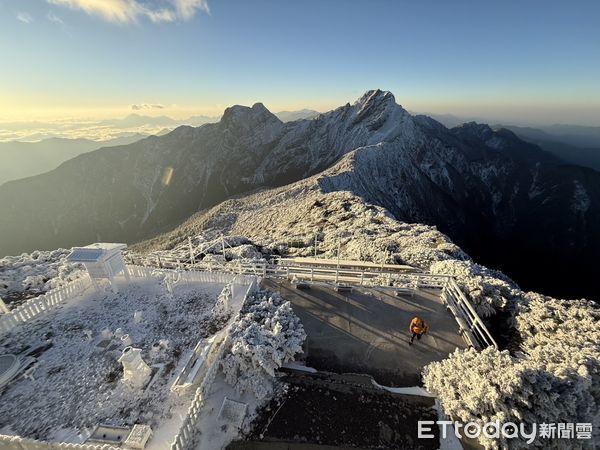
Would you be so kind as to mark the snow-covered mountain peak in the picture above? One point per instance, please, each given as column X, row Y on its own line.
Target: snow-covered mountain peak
column 248, row 117
column 375, row 96
column 377, row 116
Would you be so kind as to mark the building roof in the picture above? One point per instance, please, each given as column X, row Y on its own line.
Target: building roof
column 94, row 252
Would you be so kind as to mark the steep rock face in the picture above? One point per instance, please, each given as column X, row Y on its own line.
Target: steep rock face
column 521, row 211
column 132, row 192
column 508, row 203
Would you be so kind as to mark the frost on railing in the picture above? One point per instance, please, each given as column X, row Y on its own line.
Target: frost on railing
column 45, row 302
column 187, row 276
column 472, row 327
column 189, row 429
column 20, row 443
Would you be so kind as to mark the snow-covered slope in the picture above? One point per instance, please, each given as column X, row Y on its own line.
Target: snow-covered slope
column 494, row 194
column 552, row 373
column 287, row 220
column 29, row 275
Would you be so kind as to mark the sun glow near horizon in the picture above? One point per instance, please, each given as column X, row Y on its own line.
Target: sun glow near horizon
column 76, row 59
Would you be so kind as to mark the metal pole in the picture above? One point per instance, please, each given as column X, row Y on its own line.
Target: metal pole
column 3, row 308
column 192, row 259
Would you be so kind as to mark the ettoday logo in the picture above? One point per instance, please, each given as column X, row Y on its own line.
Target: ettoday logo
column 508, row 430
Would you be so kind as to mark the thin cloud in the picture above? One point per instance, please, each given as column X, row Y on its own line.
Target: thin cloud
column 24, row 17
column 143, row 106
column 54, row 18
column 129, row 11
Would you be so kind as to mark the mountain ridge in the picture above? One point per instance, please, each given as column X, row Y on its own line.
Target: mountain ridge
column 485, row 188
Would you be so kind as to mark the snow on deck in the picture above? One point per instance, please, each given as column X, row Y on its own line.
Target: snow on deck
column 77, row 380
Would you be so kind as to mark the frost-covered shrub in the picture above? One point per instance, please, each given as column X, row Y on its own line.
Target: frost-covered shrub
column 488, row 290
column 36, row 272
column 245, row 251
column 267, row 335
column 556, row 377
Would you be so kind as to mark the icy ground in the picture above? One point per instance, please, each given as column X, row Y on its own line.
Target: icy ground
column 77, row 383
column 31, row 274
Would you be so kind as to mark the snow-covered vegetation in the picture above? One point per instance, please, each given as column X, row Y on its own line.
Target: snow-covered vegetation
column 552, row 374
column 32, row 274
column 76, row 383
column 554, row 379
column 291, row 218
column 488, row 290
column 267, row 335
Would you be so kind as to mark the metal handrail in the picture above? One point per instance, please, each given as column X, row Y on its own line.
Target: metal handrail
column 471, row 325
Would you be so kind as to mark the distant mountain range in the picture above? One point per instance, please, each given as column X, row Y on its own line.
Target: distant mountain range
column 290, row 116
column 93, row 129
column 573, row 144
column 581, row 147
column 25, row 159
column 33, row 131
column 507, row 202
column 577, row 135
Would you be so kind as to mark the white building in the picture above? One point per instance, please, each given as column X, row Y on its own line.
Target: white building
column 103, row 261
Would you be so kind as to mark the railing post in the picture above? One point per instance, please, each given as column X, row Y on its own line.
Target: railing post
column 3, row 308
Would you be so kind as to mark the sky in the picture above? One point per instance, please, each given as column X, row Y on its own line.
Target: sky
column 512, row 61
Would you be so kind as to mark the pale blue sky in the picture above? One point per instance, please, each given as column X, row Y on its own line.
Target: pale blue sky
column 536, row 61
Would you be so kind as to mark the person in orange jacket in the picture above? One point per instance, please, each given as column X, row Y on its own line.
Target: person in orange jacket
column 417, row 327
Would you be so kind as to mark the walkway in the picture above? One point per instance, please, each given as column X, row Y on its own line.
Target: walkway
column 366, row 330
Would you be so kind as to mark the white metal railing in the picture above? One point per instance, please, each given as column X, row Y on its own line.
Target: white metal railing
column 190, row 276
column 468, row 320
column 20, row 443
column 42, row 303
column 471, row 326
column 188, row 431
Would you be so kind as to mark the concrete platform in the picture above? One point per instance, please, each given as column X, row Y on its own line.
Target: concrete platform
column 366, row 330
